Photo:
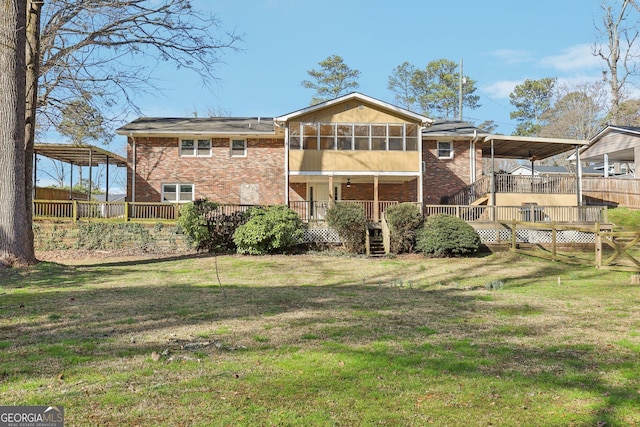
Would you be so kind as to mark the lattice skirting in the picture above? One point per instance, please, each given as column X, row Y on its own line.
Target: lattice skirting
column 327, row 235
column 321, row 235
column 535, row 236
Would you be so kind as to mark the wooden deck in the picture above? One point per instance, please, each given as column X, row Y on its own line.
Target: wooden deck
column 78, row 210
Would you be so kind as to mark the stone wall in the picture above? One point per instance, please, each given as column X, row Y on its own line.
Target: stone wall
column 104, row 236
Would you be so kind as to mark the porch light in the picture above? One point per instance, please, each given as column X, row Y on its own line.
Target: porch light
column 348, row 182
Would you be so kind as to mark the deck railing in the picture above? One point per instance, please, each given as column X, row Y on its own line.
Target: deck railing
column 317, row 210
column 506, row 183
column 117, row 211
column 311, row 211
column 531, row 213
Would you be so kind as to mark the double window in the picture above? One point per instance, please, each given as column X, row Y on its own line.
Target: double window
column 174, row 192
column 195, row 147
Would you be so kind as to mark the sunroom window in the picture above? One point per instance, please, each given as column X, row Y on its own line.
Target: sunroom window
column 177, row 192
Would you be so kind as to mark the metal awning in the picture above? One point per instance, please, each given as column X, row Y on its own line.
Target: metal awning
column 79, row 155
column 526, row 147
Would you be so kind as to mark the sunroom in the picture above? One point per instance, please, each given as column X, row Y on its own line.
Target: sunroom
column 352, row 149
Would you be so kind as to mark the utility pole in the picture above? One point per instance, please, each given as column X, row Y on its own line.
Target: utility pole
column 460, row 93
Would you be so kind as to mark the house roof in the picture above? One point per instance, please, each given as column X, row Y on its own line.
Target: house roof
column 196, row 126
column 453, row 128
column 355, row 96
column 619, row 145
column 524, row 147
column 79, row 155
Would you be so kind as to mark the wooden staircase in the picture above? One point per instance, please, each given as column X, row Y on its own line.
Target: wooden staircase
column 375, row 246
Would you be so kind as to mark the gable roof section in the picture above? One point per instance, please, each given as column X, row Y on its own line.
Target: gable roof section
column 355, row 96
column 618, row 142
column 198, row 126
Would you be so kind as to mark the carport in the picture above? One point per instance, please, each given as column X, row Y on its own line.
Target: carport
column 81, row 156
column 532, row 149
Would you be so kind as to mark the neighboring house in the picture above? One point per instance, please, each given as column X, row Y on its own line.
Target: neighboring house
column 353, row 148
column 616, row 147
column 554, row 170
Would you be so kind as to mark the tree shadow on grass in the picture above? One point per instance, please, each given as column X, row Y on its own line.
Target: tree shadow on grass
column 440, row 332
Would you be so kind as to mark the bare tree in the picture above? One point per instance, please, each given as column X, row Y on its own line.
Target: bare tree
column 15, row 246
column 101, row 53
column 617, row 47
column 578, row 111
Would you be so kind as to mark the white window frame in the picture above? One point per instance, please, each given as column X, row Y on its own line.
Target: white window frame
column 195, row 152
column 178, row 192
column 449, row 149
column 244, row 151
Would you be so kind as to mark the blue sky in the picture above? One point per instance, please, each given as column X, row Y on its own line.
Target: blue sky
column 501, row 43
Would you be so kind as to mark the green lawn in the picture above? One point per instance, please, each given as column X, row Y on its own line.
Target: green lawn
column 498, row 340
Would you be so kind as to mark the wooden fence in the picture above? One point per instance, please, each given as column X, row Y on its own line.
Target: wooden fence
column 617, row 250
column 613, row 191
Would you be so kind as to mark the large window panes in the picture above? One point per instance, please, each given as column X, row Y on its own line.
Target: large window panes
column 361, row 140
column 310, row 136
column 327, row 136
column 354, row 136
column 396, row 135
column 345, row 136
column 379, row 137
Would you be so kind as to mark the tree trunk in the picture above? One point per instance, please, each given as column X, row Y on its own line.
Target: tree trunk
column 32, row 74
column 15, row 227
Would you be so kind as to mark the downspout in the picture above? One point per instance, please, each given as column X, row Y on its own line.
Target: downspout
column 133, row 167
column 286, row 165
column 578, row 176
column 422, row 167
column 472, row 157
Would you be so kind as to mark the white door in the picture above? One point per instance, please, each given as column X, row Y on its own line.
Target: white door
column 318, row 198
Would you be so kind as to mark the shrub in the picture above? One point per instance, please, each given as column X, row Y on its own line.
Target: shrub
column 446, row 235
column 269, row 230
column 350, row 221
column 207, row 227
column 404, row 220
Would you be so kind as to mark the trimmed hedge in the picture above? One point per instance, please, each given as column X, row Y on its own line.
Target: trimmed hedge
column 446, row 235
column 350, row 221
column 404, row 220
column 269, row 230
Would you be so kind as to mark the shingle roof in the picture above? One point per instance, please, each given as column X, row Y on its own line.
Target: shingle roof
column 209, row 125
column 453, row 128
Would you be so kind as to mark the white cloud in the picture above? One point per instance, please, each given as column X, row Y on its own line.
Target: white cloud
column 513, row 56
column 573, row 58
column 501, row 88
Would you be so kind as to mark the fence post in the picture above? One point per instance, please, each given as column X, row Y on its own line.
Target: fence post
column 598, row 246
column 74, row 211
column 126, row 211
column 513, row 235
column 553, row 240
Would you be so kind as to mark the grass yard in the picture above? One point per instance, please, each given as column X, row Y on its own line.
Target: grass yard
column 496, row 340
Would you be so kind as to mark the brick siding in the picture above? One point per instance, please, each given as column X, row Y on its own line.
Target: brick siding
column 257, row 178
column 445, row 177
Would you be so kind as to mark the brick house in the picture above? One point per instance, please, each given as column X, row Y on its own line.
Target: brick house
column 352, row 148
